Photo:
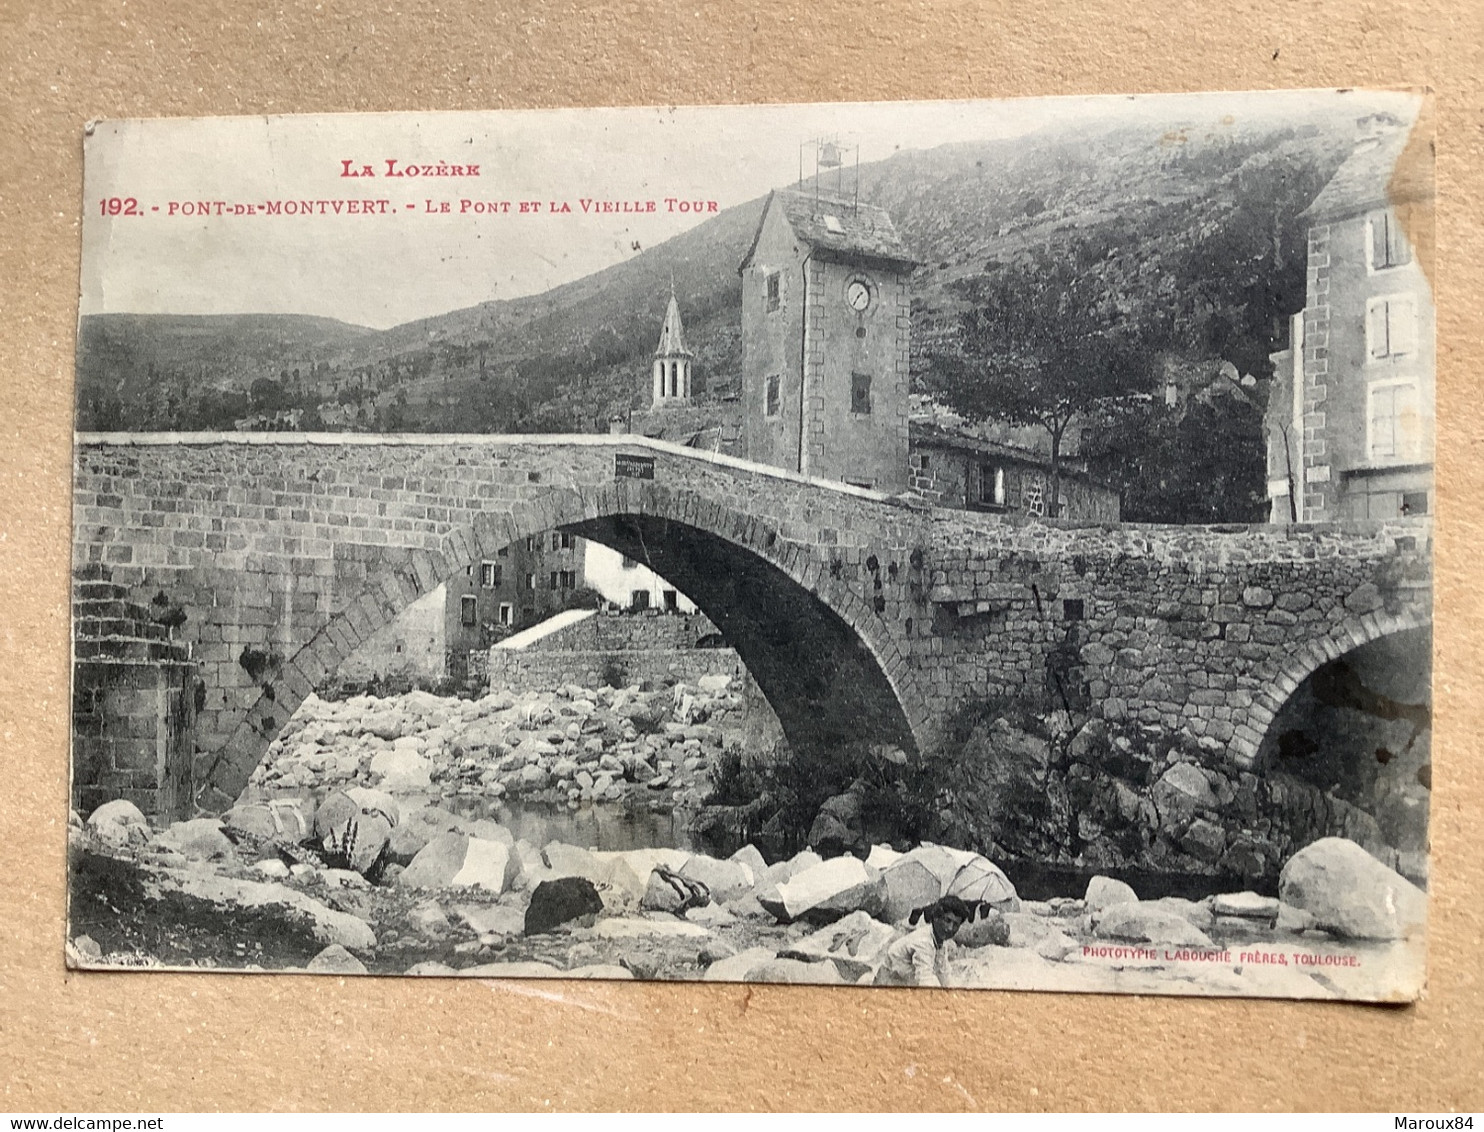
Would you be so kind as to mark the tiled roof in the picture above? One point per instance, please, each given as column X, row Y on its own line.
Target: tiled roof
column 1365, row 180
column 840, row 228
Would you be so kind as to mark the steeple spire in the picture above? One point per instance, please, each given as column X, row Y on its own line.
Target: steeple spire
column 672, row 359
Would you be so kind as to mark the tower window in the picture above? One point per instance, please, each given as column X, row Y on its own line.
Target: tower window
column 468, row 610
column 775, row 290
column 773, row 398
column 491, row 575
column 1388, row 245
column 1391, row 327
column 860, row 393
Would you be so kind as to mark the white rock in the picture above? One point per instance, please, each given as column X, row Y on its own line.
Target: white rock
column 1105, row 892
column 624, row 927
column 1350, row 893
column 335, row 960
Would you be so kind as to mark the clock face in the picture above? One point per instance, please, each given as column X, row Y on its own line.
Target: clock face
column 858, row 295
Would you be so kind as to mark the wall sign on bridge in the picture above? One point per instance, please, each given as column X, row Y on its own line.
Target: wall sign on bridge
column 627, row 467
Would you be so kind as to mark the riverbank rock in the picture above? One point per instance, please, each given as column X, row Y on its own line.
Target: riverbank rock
column 335, row 960
column 1350, row 893
column 355, row 825
column 989, row 928
column 1198, row 915
column 793, row 971
column 1246, row 906
column 200, row 839
column 325, row 924
column 1146, row 923
column 725, row 880
column 455, row 860
column 1105, row 892
column 828, row 891
column 1036, row 934
column 289, row 819
column 560, row 901
column 118, row 824
column 735, row 968
column 417, row 828
column 855, row 945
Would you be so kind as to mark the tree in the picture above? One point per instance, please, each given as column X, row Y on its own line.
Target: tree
column 1042, row 343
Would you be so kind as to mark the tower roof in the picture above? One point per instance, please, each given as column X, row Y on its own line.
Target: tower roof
column 838, row 229
column 672, row 334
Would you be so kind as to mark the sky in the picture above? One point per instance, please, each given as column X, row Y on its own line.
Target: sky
column 414, row 260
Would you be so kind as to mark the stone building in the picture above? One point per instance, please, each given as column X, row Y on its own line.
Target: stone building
column 524, row 583
column 951, row 468
column 826, row 321
column 1350, row 417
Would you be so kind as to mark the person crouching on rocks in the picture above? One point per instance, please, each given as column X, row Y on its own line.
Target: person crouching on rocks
column 919, row 958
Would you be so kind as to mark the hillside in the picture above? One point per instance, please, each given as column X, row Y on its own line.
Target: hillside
column 1197, row 222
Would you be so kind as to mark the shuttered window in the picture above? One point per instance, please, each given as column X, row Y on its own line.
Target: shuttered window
column 1391, row 327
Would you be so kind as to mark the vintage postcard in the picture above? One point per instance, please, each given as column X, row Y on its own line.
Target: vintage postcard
column 928, row 544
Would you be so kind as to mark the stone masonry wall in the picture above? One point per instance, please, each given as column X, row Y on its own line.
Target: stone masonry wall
column 286, row 552
column 527, row 670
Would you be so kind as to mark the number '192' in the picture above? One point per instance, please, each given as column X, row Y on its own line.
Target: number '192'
column 119, row 206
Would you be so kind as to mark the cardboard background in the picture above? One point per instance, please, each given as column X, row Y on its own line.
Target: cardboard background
column 162, row 1042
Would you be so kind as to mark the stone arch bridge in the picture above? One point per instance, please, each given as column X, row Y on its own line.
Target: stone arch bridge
column 861, row 617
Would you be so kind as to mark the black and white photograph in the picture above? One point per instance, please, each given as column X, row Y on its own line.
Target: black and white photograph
column 957, row 544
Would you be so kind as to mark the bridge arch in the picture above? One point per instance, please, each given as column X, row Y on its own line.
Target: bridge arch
column 1351, row 634
column 825, row 660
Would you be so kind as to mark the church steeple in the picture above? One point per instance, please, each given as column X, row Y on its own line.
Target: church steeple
column 672, row 361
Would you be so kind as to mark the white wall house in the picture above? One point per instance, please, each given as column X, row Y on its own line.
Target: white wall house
column 628, row 584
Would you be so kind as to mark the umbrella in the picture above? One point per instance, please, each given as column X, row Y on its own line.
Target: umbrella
column 981, row 881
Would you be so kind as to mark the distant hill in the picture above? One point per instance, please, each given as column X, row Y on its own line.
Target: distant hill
column 1200, row 215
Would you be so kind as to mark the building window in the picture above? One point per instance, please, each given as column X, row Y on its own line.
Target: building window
column 556, row 540
column 531, row 543
column 639, row 600
column 1388, row 244
column 468, row 610
column 629, row 563
column 555, row 575
column 775, row 290
column 672, row 600
column 491, row 574
column 773, row 400
column 507, row 614
column 1391, row 326
column 504, row 552
column 1414, row 503
column 530, row 581
column 921, row 461
column 992, row 485
column 1072, row 609
column 568, row 579
column 860, row 393
column 1395, row 425
column 569, row 540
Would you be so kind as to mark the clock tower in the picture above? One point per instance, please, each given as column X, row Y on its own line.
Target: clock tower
column 825, row 333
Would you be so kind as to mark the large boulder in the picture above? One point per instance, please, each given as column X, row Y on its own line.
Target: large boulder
column 1038, row 934
column 571, row 861
column 1179, row 794
column 792, row 971
column 118, row 824
column 837, row 825
column 335, row 960
column 909, row 886
column 1350, row 893
column 750, row 859
column 355, row 825
column 828, row 891
column 419, row 827
column 286, row 818
column 326, row 924
column 735, row 968
column 1146, row 923
column 455, row 860
column 724, row 879
column 989, row 928
column 1105, row 892
column 560, row 901
column 403, row 769
column 855, row 944
column 200, row 839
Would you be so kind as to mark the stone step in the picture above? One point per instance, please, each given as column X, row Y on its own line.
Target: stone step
column 135, row 649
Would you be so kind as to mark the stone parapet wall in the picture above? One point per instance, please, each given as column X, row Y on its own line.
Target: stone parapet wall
column 530, row 670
